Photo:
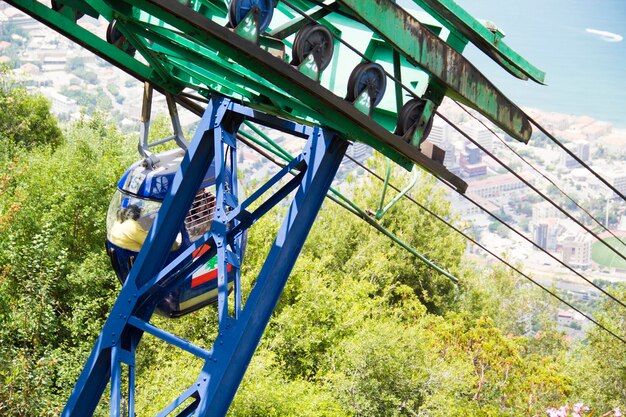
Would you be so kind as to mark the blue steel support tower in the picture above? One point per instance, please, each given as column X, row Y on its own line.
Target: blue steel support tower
column 150, row 280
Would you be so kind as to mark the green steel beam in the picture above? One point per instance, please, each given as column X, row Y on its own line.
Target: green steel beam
column 202, row 63
column 328, row 109
column 289, row 28
column 210, row 8
column 80, row 6
column 455, row 18
column 460, row 79
column 169, row 34
column 206, row 65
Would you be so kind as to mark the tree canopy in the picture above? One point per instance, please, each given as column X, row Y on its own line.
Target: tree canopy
column 362, row 329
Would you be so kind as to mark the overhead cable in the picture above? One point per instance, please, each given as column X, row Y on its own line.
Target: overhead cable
column 574, row 156
column 598, row 222
column 499, row 258
column 532, row 187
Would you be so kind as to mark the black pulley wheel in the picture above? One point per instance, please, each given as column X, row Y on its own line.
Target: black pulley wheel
column 57, row 6
column 313, row 39
column 239, row 9
column 410, row 114
column 115, row 37
column 367, row 76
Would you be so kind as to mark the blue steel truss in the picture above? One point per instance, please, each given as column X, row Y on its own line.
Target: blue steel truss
column 150, row 280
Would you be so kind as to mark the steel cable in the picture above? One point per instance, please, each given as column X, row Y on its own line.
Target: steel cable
column 536, row 170
column 574, row 156
column 474, row 241
column 528, row 184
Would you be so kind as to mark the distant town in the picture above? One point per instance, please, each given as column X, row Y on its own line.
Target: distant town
column 77, row 82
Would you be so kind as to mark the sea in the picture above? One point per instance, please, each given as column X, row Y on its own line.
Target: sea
column 579, row 44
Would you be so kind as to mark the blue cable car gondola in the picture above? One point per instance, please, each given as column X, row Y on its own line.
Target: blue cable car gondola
column 132, row 211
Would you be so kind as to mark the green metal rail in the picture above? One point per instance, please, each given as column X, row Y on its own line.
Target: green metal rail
column 187, row 46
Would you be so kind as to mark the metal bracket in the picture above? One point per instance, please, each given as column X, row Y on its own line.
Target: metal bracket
column 383, row 210
column 364, row 103
column 310, row 68
column 150, row 159
column 248, row 28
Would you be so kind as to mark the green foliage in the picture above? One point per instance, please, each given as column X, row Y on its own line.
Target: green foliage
column 499, row 228
column 89, row 76
column 115, row 91
column 600, row 371
column 362, row 252
column 92, row 101
column 362, row 328
column 17, row 36
column 25, row 119
column 56, row 285
column 74, row 63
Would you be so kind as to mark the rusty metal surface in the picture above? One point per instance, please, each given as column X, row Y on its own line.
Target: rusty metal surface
column 487, row 40
column 461, row 80
column 344, row 117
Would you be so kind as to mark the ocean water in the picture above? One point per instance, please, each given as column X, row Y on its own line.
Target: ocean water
column 585, row 70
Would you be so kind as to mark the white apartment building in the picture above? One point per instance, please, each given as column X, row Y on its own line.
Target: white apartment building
column 577, row 251
column 544, row 210
column 496, row 186
column 580, row 149
column 617, row 178
column 481, row 135
column 440, row 133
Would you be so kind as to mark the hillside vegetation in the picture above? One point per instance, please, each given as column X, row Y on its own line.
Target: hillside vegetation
column 363, row 328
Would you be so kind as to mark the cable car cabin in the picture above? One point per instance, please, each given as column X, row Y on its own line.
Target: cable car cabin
column 131, row 213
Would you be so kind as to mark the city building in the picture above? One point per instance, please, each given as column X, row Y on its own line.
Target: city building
column 564, row 318
column 60, row 103
column 544, row 210
column 19, row 18
column 597, row 129
column 54, row 62
column 577, row 251
column 546, row 232
column 439, row 133
column 467, row 209
column 580, row 149
column 359, row 152
column 481, row 135
column 470, row 162
column 497, row 186
column 616, row 176
column 540, row 235
column 450, row 161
